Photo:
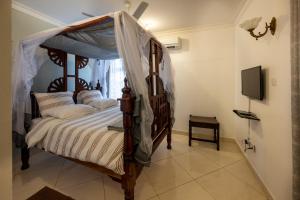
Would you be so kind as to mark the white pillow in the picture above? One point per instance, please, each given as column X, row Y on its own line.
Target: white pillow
column 48, row 101
column 71, row 111
column 104, row 103
column 88, row 96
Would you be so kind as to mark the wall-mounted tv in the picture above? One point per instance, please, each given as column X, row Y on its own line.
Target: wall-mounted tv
column 252, row 83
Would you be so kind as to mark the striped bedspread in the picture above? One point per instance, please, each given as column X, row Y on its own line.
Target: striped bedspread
column 86, row 138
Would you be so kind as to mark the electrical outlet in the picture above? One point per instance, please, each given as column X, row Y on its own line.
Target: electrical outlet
column 274, row 82
column 248, row 145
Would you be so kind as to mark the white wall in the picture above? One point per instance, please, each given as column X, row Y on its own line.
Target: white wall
column 5, row 106
column 272, row 135
column 24, row 25
column 204, row 75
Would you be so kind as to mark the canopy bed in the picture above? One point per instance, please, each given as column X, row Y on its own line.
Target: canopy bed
column 146, row 105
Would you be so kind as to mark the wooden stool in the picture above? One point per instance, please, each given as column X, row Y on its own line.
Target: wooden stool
column 205, row 122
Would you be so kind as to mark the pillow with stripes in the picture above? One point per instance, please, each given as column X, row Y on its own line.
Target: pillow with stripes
column 89, row 96
column 48, row 101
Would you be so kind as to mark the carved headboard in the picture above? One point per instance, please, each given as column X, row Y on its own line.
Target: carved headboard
column 57, row 85
column 60, row 84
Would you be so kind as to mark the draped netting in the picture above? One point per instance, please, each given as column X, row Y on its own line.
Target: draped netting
column 99, row 73
column 118, row 36
column 110, row 74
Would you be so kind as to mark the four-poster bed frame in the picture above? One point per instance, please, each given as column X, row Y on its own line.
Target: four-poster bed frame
column 161, row 126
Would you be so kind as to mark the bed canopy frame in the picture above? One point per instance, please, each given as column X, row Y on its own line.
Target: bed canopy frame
column 161, row 126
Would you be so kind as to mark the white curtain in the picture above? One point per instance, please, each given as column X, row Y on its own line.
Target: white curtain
column 116, row 79
column 99, row 73
column 110, row 74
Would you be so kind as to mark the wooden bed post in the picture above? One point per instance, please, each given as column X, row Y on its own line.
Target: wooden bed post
column 169, row 135
column 25, row 154
column 129, row 178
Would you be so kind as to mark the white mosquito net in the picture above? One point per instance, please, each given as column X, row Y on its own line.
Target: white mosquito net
column 118, row 35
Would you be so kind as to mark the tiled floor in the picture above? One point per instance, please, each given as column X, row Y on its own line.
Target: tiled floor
column 184, row 173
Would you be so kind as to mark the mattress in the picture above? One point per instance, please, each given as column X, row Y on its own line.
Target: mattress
column 85, row 138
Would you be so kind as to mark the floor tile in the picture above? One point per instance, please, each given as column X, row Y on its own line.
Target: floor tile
column 166, row 174
column 143, row 189
column 229, row 146
column 39, row 160
column 205, row 145
column 225, row 146
column 44, row 171
column 189, row 191
column 179, row 137
column 242, row 170
column 218, row 175
column 154, row 198
column 92, row 190
column 179, row 147
column 27, row 188
column 223, row 186
column 74, row 174
column 221, row 157
column 196, row 164
column 162, row 152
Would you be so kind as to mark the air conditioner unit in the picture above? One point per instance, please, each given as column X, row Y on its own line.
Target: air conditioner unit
column 171, row 42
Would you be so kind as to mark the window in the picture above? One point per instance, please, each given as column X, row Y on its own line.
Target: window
column 116, row 78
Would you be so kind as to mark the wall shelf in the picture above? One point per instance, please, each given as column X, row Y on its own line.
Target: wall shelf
column 246, row 115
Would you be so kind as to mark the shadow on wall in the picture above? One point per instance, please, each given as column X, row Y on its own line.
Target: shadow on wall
column 256, row 127
column 48, row 72
column 282, row 22
column 266, row 78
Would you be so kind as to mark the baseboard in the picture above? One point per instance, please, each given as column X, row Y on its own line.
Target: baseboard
column 270, row 195
column 181, row 132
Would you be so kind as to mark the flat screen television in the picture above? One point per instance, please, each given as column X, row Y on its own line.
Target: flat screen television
column 252, row 83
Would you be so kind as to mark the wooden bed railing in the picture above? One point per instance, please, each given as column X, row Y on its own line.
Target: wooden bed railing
column 158, row 96
column 161, row 126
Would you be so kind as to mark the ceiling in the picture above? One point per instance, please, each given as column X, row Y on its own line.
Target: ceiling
column 160, row 15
